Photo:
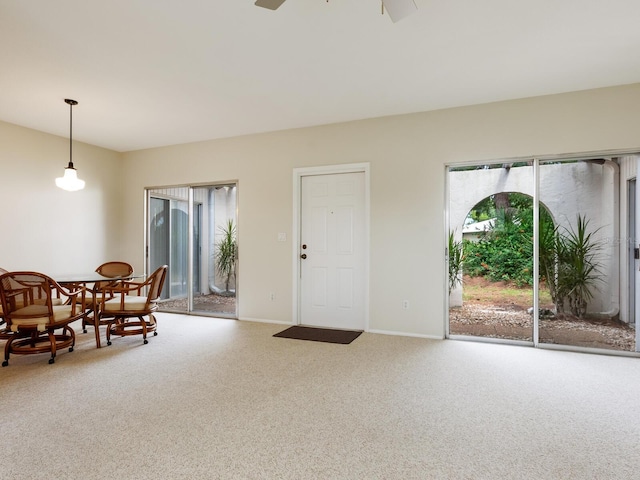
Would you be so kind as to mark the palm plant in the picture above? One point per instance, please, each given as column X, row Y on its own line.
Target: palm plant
column 227, row 252
column 581, row 269
column 456, row 260
column 569, row 264
column 548, row 247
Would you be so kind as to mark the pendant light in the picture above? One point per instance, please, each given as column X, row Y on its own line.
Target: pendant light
column 70, row 180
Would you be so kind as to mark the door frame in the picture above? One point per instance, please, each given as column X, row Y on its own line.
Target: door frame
column 165, row 193
column 298, row 173
column 629, row 251
column 621, row 197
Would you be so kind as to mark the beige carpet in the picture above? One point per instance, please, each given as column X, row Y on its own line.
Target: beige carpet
column 221, row 399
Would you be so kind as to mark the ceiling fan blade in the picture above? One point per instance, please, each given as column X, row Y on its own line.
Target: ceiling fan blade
column 270, row 4
column 398, row 9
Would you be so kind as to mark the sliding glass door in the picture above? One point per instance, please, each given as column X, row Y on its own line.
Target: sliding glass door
column 580, row 255
column 544, row 252
column 159, row 252
column 491, row 251
column 192, row 229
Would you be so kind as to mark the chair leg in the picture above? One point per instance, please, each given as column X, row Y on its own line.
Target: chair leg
column 86, row 321
column 69, row 331
column 120, row 326
column 52, row 340
column 152, row 321
column 7, row 349
column 110, row 323
column 109, row 333
column 143, row 325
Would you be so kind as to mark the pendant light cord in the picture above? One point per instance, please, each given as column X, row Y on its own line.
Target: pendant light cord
column 70, row 181
column 71, row 104
column 71, row 135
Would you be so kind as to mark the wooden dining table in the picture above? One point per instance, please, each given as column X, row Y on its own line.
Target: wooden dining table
column 89, row 280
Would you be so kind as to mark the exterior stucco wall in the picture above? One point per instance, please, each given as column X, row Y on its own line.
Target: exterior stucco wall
column 567, row 190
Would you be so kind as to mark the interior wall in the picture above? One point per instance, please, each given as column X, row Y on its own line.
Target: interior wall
column 408, row 154
column 44, row 228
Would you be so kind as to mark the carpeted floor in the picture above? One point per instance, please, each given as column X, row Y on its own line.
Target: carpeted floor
column 222, row 399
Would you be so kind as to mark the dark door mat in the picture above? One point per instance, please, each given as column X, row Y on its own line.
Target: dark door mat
column 313, row 334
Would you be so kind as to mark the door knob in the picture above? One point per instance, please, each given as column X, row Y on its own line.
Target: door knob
column 303, row 256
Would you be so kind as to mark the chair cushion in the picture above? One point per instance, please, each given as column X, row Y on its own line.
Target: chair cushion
column 98, row 296
column 54, row 301
column 60, row 313
column 131, row 302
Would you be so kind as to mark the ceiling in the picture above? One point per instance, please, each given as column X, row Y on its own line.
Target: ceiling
column 150, row 73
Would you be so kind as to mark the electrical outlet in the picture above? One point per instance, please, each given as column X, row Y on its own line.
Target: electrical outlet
column 272, row 296
column 405, row 304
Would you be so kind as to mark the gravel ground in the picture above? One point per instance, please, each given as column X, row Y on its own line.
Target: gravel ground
column 512, row 322
column 205, row 303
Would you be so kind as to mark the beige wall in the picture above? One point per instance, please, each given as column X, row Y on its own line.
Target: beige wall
column 49, row 230
column 407, row 155
column 56, row 231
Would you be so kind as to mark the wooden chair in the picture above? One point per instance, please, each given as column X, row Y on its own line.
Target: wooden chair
column 36, row 317
column 114, row 270
column 128, row 302
column 4, row 330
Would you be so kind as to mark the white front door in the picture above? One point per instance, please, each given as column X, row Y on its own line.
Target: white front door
column 332, row 251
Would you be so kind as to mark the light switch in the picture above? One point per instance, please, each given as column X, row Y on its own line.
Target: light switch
column 282, row 237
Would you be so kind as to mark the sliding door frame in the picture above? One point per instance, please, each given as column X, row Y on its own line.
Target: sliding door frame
column 191, row 203
column 536, row 161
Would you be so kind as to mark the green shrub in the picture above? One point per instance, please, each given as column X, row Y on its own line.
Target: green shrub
column 568, row 257
column 505, row 252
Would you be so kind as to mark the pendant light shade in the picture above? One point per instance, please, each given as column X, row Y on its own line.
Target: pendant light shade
column 70, row 180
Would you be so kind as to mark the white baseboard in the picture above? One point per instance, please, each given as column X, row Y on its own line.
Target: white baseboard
column 406, row 334
column 264, row 320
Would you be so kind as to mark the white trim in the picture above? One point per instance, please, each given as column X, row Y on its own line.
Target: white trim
column 597, row 351
column 495, row 340
column 298, row 173
column 406, row 334
column 447, row 229
column 260, row 320
column 536, row 253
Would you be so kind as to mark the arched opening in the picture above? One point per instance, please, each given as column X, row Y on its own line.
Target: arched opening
column 492, row 279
